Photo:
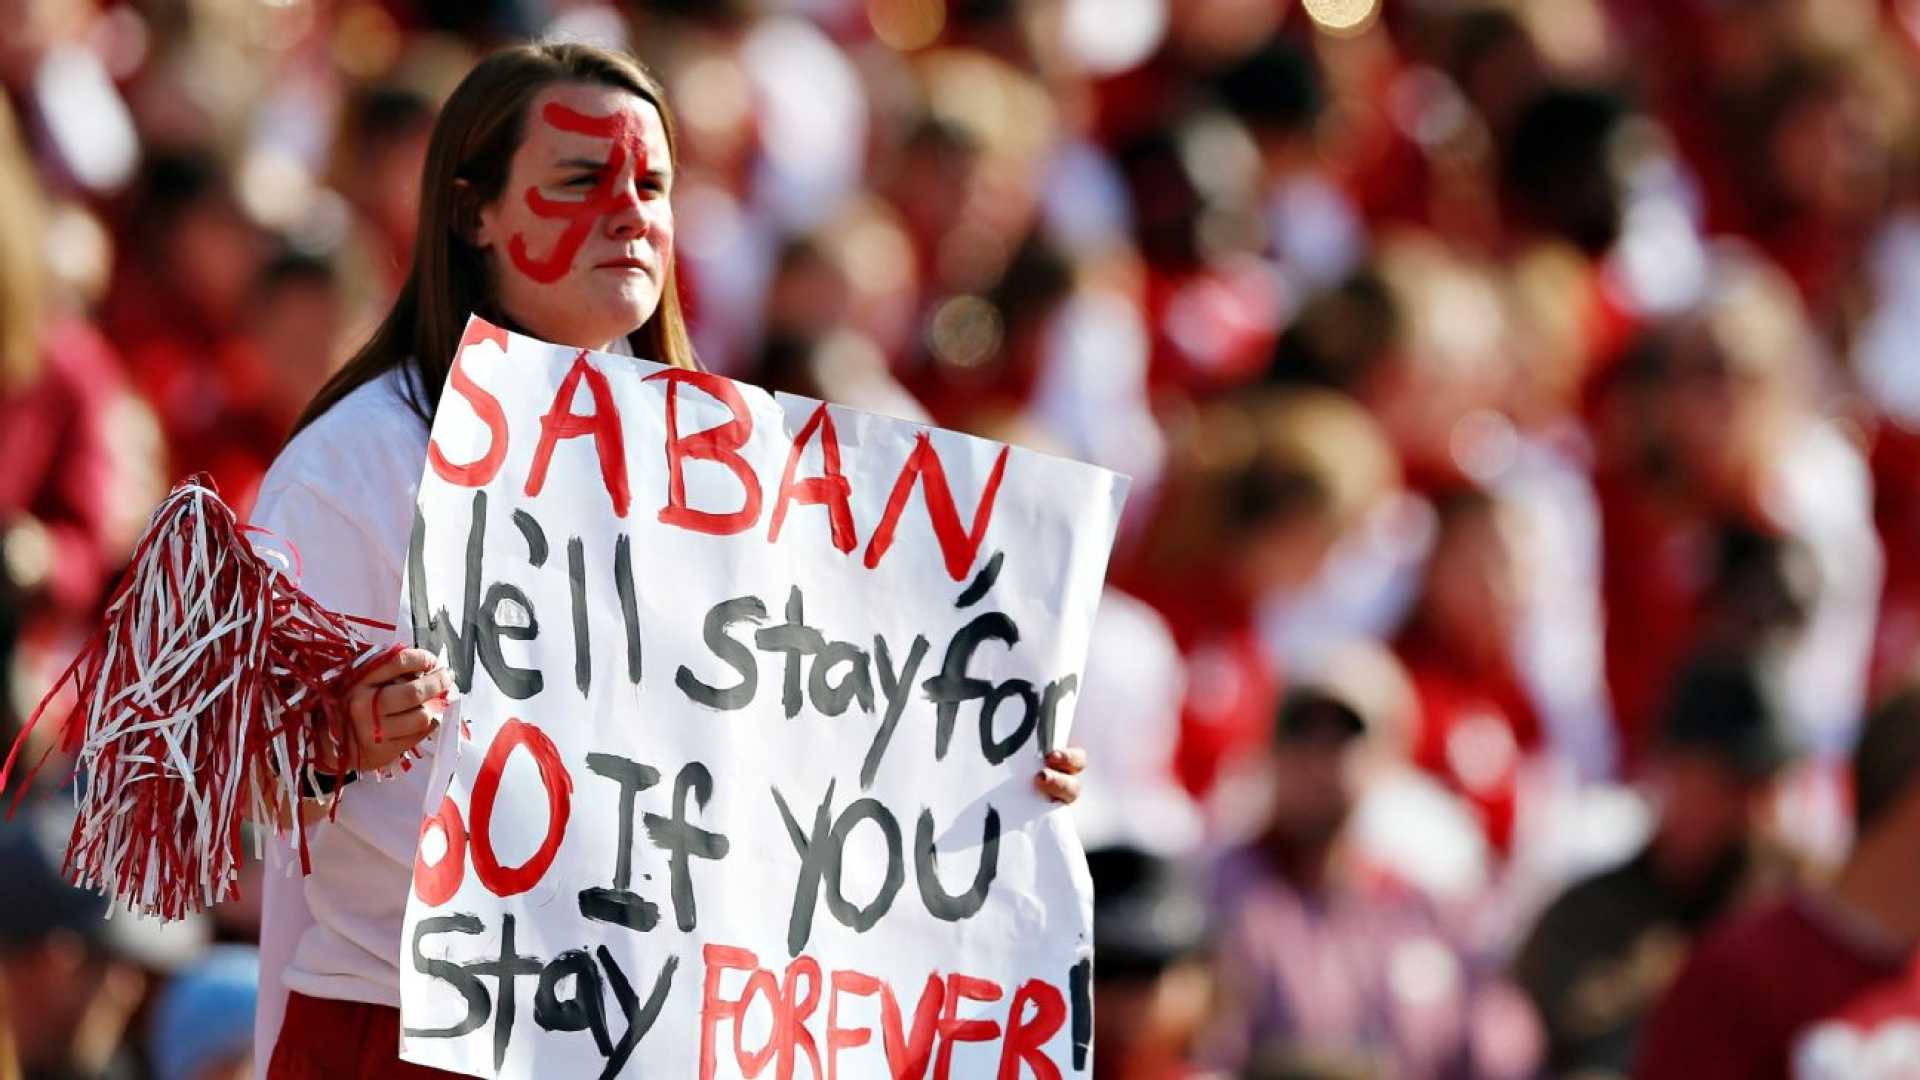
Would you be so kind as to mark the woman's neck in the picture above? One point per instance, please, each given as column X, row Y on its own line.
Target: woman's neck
column 499, row 315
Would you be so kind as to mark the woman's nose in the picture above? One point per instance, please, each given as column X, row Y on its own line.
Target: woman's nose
column 625, row 217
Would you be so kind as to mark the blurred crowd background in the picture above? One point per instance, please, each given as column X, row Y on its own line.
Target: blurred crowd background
column 1507, row 669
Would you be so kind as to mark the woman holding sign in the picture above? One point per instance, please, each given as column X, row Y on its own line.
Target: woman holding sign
column 545, row 207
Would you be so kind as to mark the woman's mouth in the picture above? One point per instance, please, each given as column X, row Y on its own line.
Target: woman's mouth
column 623, row 264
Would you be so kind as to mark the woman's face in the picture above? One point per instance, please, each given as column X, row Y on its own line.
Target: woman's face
column 579, row 241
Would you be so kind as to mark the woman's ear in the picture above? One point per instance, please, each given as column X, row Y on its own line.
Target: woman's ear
column 469, row 224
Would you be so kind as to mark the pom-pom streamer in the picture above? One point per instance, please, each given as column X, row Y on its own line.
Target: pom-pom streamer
column 211, row 684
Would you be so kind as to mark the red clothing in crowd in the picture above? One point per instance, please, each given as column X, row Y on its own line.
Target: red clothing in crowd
column 209, row 389
column 1233, row 690
column 1895, row 462
column 1876, row 1033
column 1232, row 696
column 1655, row 567
column 1214, row 327
column 1475, row 728
column 55, row 438
column 1760, row 988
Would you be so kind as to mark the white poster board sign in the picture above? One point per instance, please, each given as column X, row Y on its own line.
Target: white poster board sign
column 755, row 691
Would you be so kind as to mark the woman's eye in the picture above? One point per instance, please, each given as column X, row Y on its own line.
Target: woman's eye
column 585, row 180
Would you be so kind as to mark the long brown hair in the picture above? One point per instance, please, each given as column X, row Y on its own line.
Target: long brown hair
column 467, row 160
column 22, row 275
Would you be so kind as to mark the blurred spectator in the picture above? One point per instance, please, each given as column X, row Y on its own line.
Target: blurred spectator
column 1345, row 338
column 1476, row 724
column 179, row 296
column 71, row 980
column 1211, row 297
column 1091, row 390
column 1417, row 338
column 1152, row 988
column 807, row 299
column 1816, row 984
column 1407, row 823
column 287, row 345
column 1558, row 169
column 202, row 1023
column 295, row 322
column 54, row 971
column 1811, row 138
column 1315, row 231
column 381, row 151
column 1604, row 952
column 1712, row 423
column 1341, row 338
column 988, row 351
column 937, row 162
column 79, row 449
column 813, row 341
column 1260, row 487
column 1328, row 961
column 59, row 391
column 1488, row 51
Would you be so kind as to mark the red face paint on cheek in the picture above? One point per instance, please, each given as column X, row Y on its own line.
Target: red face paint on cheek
column 624, row 132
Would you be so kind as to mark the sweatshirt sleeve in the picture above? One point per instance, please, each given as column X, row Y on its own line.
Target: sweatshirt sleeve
column 338, row 562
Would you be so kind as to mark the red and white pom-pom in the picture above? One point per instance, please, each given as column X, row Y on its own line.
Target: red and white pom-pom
column 212, row 682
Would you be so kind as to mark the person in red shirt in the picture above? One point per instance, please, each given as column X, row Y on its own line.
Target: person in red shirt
column 180, row 295
column 1711, row 430
column 1476, row 721
column 1776, row 992
column 287, row 346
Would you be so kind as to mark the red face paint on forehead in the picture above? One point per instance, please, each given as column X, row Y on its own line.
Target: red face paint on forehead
column 622, row 127
column 623, row 130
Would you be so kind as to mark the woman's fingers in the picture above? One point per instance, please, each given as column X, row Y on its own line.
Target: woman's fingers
column 1059, row 786
column 393, row 705
column 360, row 708
column 398, row 665
column 1070, row 760
column 397, row 697
column 401, row 730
